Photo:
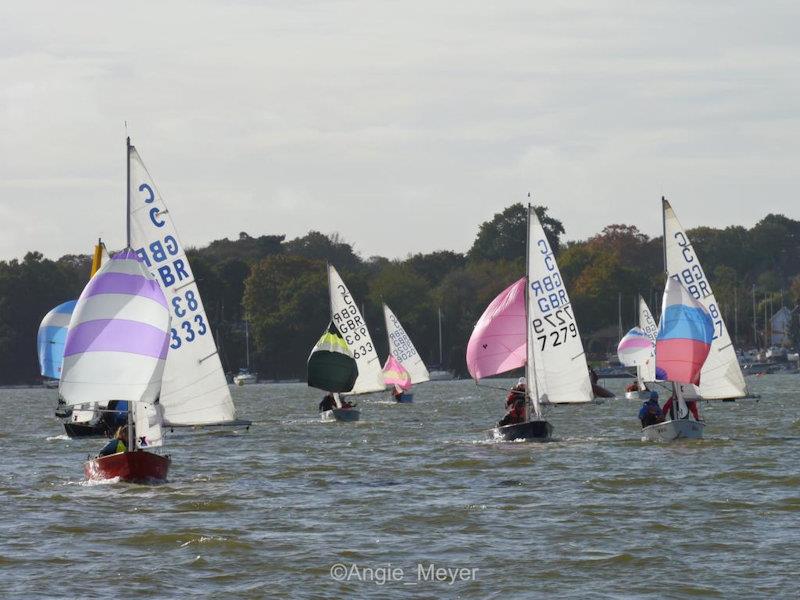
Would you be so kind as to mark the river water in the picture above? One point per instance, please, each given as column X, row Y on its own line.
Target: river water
column 296, row 508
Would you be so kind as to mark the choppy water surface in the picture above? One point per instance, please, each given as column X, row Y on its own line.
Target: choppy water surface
column 269, row 512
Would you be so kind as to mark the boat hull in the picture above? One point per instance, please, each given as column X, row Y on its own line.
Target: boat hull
column 673, row 430
column 83, row 430
column 131, row 467
column 340, row 414
column 639, row 395
column 529, row 430
column 404, row 398
column 600, row 392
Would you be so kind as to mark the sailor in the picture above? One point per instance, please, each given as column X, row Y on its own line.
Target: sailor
column 650, row 413
column 633, row 386
column 593, row 376
column 515, row 405
column 397, row 393
column 117, row 444
column 328, row 403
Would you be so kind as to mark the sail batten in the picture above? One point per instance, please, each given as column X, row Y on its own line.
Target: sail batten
column 721, row 376
column 195, row 391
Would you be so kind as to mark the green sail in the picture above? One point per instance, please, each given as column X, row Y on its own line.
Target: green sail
column 331, row 366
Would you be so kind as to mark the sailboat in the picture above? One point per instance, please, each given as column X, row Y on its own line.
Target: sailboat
column 531, row 323
column 245, row 376
column 638, row 349
column 410, row 369
column 194, row 390
column 439, row 373
column 683, row 344
column 722, row 377
column 346, row 335
column 87, row 421
column 116, row 349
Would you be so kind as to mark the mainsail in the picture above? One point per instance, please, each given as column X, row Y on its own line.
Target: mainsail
column 118, row 336
column 721, row 376
column 401, row 347
column 51, row 337
column 195, row 391
column 556, row 351
column 331, row 366
column 351, row 325
column 498, row 341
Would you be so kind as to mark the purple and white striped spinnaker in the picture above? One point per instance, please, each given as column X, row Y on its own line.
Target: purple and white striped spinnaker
column 118, row 336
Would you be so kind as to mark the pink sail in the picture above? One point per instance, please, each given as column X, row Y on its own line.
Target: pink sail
column 395, row 374
column 499, row 341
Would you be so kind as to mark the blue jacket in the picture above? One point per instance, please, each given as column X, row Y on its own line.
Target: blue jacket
column 650, row 407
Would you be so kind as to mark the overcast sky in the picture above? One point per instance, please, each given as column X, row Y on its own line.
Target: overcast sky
column 400, row 125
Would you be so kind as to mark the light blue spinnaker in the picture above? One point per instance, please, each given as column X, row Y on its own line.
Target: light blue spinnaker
column 51, row 338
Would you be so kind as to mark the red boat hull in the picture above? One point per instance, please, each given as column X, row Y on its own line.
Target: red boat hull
column 133, row 467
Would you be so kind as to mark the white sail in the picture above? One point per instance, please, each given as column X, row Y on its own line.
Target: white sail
column 647, row 324
column 148, row 418
column 351, row 325
column 721, row 376
column 556, row 353
column 401, row 347
column 195, row 391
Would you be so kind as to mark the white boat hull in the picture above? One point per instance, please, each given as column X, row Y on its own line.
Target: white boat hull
column 673, row 430
column 340, row 414
column 245, row 379
column 639, row 395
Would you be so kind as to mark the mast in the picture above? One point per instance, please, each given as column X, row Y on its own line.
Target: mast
column 128, row 192
column 247, row 343
column 439, row 310
column 532, row 400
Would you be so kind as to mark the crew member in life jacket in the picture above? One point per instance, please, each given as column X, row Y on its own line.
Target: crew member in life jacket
column 328, row 403
column 667, row 409
column 119, row 443
column 515, row 405
column 650, row 413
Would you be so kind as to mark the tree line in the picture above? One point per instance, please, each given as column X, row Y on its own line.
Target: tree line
column 280, row 288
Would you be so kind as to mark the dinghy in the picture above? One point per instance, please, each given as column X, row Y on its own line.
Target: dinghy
column 395, row 374
column 332, row 368
column 87, row 421
column 402, row 350
column 531, row 323
column 116, row 349
column 346, row 339
column 195, row 391
column 685, row 334
column 722, row 377
column 638, row 349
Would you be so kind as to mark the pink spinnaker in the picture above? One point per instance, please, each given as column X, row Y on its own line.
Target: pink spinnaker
column 395, row 374
column 499, row 341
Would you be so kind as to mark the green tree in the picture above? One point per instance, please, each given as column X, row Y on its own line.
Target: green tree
column 504, row 237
